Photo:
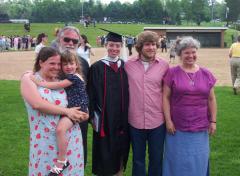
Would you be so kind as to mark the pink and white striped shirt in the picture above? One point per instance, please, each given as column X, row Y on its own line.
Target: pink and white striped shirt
column 145, row 92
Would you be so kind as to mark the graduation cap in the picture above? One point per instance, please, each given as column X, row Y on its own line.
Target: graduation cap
column 113, row 36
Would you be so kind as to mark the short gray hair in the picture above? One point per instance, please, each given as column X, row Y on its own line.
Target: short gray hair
column 67, row 28
column 187, row 42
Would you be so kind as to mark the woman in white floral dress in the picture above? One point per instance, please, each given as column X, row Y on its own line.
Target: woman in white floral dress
column 44, row 108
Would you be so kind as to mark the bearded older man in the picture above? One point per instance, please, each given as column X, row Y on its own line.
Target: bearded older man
column 68, row 39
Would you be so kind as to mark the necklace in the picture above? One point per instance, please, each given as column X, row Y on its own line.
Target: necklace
column 191, row 81
column 191, row 77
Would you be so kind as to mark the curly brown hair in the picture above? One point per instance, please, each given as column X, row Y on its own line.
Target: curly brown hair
column 146, row 36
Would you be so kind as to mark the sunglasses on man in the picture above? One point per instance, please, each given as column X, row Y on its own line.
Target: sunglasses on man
column 67, row 40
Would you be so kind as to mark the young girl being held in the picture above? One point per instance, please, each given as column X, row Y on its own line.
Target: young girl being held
column 72, row 82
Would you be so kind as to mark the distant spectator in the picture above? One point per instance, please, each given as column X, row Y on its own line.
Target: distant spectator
column 98, row 41
column 41, row 42
column 24, row 42
column 19, row 43
column 54, row 42
column 234, row 55
column 130, row 44
column 34, row 42
column 11, row 44
column 164, row 44
column 232, row 37
column 172, row 52
column 1, row 44
column 8, row 43
column 27, row 27
column 84, row 50
column 16, row 41
column 94, row 22
column 28, row 46
column 102, row 40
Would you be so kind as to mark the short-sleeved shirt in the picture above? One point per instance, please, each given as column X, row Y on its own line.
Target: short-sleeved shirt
column 39, row 47
column 189, row 102
column 85, row 54
column 76, row 93
column 145, row 90
column 235, row 48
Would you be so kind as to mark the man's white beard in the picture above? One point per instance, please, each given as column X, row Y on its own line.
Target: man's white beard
column 62, row 49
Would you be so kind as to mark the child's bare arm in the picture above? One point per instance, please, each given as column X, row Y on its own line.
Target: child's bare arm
column 52, row 85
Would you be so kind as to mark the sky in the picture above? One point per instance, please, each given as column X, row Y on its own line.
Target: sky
column 122, row 1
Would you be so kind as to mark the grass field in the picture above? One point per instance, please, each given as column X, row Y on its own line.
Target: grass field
column 14, row 143
column 91, row 32
column 14, row 138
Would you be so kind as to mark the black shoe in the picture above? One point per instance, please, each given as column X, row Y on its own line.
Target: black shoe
column 234, row 91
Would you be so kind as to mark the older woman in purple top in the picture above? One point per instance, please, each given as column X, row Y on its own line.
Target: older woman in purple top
column 189, row 107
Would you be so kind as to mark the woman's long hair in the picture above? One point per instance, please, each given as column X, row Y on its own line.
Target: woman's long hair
column 40, row 37
column 84, row 37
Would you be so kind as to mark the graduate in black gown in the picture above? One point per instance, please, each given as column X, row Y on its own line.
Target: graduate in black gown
column 108, row 95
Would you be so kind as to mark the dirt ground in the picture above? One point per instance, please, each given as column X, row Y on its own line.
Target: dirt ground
column 13, row 64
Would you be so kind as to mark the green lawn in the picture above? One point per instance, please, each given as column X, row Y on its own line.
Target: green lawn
column 225, row 145
column 91, row 32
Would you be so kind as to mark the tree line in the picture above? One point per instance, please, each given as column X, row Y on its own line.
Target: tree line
column 146, row 11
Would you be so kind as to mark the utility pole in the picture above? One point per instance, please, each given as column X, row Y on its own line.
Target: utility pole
column 82, row 8
column 213, row 3
column 227, row 12
column 164, row 12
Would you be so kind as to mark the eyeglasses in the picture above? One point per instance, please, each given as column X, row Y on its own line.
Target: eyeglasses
column 67, row 40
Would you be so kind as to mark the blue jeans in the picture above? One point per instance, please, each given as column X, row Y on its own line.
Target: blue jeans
column 208, row 172
column 155, row 140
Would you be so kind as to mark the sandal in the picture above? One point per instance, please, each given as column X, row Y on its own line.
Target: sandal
column 55, row 171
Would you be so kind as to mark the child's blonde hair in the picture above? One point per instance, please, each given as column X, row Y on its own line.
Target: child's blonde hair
column 68, row 56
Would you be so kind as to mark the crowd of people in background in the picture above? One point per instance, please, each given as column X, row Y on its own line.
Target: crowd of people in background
column 25, row 42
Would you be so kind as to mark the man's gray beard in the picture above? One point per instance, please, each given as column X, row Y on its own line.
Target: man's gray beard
column 62, row 49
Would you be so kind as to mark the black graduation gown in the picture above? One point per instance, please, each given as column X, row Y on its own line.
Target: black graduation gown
column 110, row 151
column 84, row 125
